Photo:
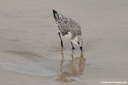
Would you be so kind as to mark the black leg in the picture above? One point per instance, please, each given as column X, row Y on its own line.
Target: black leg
column 72, row 46
column 61, row 40
column 81, row 49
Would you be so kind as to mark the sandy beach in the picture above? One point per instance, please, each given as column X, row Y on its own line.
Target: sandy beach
column 30, row 51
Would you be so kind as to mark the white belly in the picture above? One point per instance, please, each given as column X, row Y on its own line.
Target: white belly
column 69, row 35
column 75, row 41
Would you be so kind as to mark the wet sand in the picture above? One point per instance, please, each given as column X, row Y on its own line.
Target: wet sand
column 30, row 51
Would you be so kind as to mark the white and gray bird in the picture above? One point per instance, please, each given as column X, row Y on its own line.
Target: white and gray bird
column 69, row 29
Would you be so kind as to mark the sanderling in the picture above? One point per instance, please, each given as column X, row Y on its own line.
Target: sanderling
column 68, row 28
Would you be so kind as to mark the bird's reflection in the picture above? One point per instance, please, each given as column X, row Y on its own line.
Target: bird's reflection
column 71, row 68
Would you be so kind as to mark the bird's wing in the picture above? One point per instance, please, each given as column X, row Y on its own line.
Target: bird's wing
column 66, row 24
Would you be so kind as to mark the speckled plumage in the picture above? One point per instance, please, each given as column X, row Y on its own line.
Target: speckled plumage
column 68, row 28
column 66, row 25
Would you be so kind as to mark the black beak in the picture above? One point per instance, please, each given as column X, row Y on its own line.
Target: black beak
column 81, row 48
column 54, row 13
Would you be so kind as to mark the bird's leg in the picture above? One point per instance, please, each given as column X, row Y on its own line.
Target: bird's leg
column 81, row 49
column 61, row 40
column 72, row 46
